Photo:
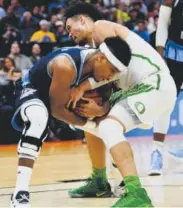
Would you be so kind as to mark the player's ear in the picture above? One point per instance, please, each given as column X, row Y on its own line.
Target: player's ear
column 82, row 19
column 101, row 58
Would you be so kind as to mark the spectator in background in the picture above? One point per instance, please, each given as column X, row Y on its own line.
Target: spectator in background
column 10, row 19
column 27, row 26
column 151, row 26
column 26, row 21
column 54, row 5
column 138, row 5
column 121, row 14
column 5, row 72
column 100, row 6
column 22, row 62
column 60, row 13
column 36, row 53
column 36, row 14
column 141, row 31
column 61, row 34
column 109, row 3
column 43, row 35
column 18, row 8
column 53, row 21
column 154, row 9
column 42, row 12
column 2, row 10
column 151, row 5
column 112, row 15
column 126, row 2
column 15, row 75
column 133, row 19
column 11, row 34
column 143, row 7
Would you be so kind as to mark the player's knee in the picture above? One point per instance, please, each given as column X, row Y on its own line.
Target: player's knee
column 111, row 132
column 35, row 118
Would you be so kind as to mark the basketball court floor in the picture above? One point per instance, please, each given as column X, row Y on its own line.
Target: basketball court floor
column 65, row 165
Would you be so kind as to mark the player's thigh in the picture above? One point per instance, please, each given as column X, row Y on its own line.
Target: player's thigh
column 28, row 99
column 123, row 113
column 149, row 106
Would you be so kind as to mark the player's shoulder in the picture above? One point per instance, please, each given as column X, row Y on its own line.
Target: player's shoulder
column 99, row 23
column 101, row 26
column 61, row 62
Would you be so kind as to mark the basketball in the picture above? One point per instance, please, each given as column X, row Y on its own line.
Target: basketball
column 94, row 95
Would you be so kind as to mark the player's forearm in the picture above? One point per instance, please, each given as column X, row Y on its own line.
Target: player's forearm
column 71, row 118
column 68, row 117
column 85, row 86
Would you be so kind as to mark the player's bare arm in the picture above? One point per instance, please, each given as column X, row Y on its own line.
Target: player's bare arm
column 89, row 84
column 60, row 91
column 163, row 24
column 114, row 29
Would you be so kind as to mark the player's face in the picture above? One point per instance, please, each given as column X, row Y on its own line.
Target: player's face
column 76, row 29
column 103, row 69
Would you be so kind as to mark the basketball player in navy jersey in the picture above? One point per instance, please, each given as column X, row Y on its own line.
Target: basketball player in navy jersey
column 45, row 91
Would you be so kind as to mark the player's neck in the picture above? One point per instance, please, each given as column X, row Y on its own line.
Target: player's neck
column 95, row 38
column 91, row 42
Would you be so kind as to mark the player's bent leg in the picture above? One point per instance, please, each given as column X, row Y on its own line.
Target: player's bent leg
column 111, row 130
column 35, row 118
column 97, row 185
column 160, row 130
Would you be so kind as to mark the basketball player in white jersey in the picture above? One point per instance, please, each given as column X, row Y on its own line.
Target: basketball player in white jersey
column 146, row 85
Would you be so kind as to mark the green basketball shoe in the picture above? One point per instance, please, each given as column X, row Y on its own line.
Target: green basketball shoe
column 94, row 187
column 136, row 198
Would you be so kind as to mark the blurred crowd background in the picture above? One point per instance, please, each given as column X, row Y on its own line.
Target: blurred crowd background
column 31, row 29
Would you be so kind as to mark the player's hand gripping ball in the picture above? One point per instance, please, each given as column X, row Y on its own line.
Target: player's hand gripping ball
column 90, row 105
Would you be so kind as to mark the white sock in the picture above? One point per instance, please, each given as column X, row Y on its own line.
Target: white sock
column 23, row 179
column 157, row 146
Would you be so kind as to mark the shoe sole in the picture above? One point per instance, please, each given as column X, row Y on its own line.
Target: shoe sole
column 146, row 205
column 14, row 205
column 142, row 205
column 155, row 173
column 114, row 165
column 105, row 195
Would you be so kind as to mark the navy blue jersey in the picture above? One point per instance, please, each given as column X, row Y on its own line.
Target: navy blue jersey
column 39, row 77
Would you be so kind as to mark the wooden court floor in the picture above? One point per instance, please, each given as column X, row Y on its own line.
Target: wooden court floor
column 61, row 165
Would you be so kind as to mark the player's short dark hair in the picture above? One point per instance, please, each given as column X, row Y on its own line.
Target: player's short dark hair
column 80, row 8
column 120, row 49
